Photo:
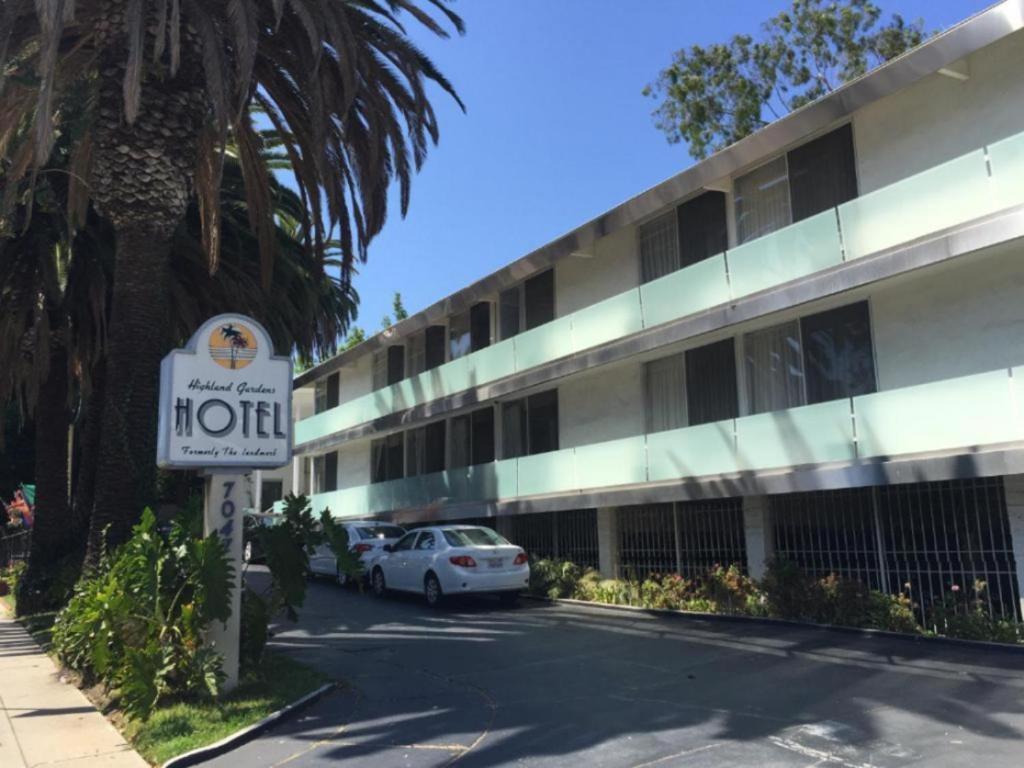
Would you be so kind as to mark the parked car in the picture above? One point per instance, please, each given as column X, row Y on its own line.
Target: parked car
column 366, row 538
column 450, row 560
column 251, row 550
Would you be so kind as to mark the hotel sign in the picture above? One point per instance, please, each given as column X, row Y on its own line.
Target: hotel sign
column 225, row 400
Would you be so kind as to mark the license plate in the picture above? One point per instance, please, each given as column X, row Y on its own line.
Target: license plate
column 495, row 563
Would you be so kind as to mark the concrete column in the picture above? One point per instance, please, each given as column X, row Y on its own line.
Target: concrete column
column 1014, row 487
column 608, row 542
column 757, row 532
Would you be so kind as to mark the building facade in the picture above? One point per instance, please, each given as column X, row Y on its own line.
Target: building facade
column 810, row 344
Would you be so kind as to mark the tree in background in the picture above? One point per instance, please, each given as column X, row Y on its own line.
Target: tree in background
column 712, row 96
column 354, row 338
column 400, row 314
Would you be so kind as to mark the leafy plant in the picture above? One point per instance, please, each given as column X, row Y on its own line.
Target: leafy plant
column 965, row 615
column 336, row 538
column 138, row 623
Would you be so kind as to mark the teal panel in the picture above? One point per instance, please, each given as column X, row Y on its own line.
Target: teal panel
column 693, row 289
column 966, row 412
column 707, row 449
column 506, row 478
column 484, row 482
column 348, row 502
column 492, row 363
column 797, row 250
column 812, row 434
column 546, row 473
column 1007, row 160
column 617, row 462
column 544, row 343
column 406, row 394
column 606, row 320
column 917, row 206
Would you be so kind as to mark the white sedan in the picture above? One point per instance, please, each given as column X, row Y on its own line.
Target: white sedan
column 366, row 539
column 449, row 560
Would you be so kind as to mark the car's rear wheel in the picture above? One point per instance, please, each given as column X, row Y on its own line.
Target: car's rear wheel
column 509, row 599
column 432, row 591
column 379, row 587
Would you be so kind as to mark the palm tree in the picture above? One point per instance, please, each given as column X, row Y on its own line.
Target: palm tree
column 40, row 248
column 168, row 84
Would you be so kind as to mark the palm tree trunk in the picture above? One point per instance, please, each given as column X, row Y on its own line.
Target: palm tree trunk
column 87, row 452
column 142, row 181
column 53, row 539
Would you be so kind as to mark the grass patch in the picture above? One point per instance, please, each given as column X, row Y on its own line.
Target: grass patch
column 178, row 727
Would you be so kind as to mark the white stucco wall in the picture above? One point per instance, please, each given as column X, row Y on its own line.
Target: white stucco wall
column 966, row 317
column 610, row 269
column 602, row 405
column 354, row 464
column 356, row 378
column 940, row 118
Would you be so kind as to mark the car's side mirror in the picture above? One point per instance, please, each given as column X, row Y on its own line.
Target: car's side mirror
column 389, row 548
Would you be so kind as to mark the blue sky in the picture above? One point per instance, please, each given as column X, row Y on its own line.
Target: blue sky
column 556, row 130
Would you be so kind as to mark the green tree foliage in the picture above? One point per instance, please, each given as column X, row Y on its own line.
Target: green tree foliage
column 353, row 338
column 398, row 308
column 711, row 96
column 138, row 624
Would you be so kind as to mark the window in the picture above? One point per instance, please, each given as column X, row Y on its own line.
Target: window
column 380, row 532
column 711, row 383
column 702, row 228
column 665, row 382
column 405, row 543
column 433, row 342
column 659, row 247
column 416, row 356
column 522, row 307
column 388, row 366
column 469, row 331
column 695, row 231
column 426, row 541
column 825, row 356
column 774, row 368
column 386, row 454
column 812, row 178
column 822, row 173
column 424, row 449
column 530, row 425
column 473, row 537
column 510, row 307
column 325, row 472
column 472, row 438
column 327, row 393
column 762, row 201
column 838, row 355
column 271, row 491
column 539, row 299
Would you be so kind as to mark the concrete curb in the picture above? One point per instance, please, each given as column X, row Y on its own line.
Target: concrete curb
column 247, row 734
column 977, row 645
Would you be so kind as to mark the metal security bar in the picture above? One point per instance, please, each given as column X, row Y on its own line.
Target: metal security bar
column 14, row 548
column 576, row 536
column 939, row 535
column 921, row 539
column 536, row 534
column 647, row 541
column 710, row 534
column 827, row 532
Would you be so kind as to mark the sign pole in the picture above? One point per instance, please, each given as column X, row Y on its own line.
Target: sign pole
column 223, row 509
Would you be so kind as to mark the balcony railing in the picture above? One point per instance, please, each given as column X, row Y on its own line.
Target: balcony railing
column 981, row 182
column 955, row 415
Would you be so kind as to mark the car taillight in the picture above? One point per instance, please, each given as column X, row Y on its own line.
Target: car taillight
column 360, row 548
column 464, row 561
column 520, row 559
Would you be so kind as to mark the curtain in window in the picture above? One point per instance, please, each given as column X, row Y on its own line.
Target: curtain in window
column 483, row 436
column 762, row 200
column 513, row 429
column 542, row 417
column 774, row 368
column 822, row 173
column 417, row 353
column 509, row 311
column 659, row 247
column 380, row 369
column 539, row 299
column 666, row 394
column 460, row 442
column 702, row 228
column 458, row 336
column 415, row 452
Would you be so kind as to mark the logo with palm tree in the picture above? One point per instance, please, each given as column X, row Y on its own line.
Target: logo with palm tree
column 233, row 346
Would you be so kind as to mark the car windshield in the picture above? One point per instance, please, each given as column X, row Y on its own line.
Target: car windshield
column 473, row 537
column 380, row 532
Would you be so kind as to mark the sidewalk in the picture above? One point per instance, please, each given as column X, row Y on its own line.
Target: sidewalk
column 46, row 722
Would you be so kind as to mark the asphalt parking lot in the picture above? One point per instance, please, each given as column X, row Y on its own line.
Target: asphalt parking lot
column 557, row 685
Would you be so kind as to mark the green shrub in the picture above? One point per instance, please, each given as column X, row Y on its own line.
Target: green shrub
column 253, row 630
column 138, row 623
column 729, row 590
column 554, row 578
column 965, row 615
